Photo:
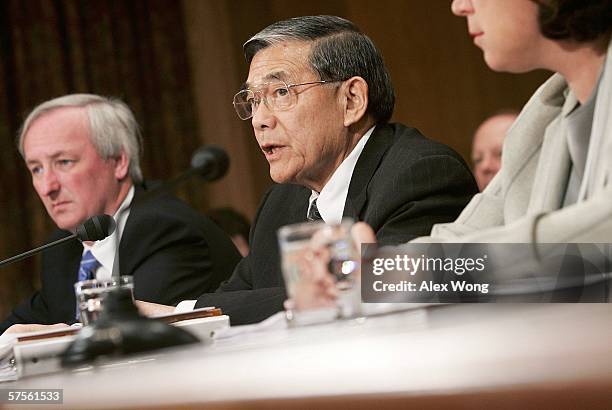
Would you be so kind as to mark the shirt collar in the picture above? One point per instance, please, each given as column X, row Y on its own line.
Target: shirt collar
column 104, row 251
column 331, row 199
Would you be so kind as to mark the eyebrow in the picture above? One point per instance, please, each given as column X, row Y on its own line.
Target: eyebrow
column 55, row 155
column 277, row 75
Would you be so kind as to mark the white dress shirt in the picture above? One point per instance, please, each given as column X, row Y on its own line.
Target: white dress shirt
column 105, row 250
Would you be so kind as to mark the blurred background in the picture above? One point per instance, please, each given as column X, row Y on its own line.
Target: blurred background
column 177, row 64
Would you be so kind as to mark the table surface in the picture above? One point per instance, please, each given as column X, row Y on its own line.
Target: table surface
column 512, row 354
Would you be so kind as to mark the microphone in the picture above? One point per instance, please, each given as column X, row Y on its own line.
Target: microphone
column 96, row 228
column 93, row 229
column 210, row 161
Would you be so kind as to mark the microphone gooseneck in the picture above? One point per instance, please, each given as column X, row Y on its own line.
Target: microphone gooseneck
column 210, row 162
column 93, row 229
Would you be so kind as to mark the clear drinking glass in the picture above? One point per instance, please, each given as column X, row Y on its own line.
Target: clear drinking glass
column 294, row 241
column 90, row 295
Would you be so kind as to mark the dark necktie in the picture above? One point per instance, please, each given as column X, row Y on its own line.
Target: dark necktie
column 313, row 212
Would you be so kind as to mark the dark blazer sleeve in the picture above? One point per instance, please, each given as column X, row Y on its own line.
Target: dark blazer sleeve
column 440, row 187
column 241, row 300
column 33, row 310
column 55, row 301
column 256, row 290
column 404, row 184
column 246, row 306
column 174, row 253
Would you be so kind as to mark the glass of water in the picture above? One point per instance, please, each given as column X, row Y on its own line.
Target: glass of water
column 296, row 240
column 90, row 295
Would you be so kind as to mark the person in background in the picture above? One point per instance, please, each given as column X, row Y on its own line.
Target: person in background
column 83, row 153
column 234, row 224
column 487, row 146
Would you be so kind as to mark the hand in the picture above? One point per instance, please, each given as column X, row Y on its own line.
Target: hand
column 153, row 309
column 362, row 233
column 35, row 328
column 317, row 287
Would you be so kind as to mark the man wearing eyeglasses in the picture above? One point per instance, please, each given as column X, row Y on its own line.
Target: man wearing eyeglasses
column 319, row 98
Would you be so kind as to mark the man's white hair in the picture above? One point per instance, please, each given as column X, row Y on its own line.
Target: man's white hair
column 112, row 126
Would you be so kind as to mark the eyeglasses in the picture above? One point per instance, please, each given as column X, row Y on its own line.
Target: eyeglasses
column 277, row 96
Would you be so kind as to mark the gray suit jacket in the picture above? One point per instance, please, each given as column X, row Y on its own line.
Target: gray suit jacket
column 523, row 203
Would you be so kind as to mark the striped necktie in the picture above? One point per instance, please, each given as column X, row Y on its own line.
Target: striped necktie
column 313, row 212
column 87, row 270
column 88, row 266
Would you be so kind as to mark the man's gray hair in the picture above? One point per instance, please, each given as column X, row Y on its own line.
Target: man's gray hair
column 340, row 51
column 112, row 126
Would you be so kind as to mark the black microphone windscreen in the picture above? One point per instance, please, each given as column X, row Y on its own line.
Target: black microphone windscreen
column 96, row 228
column 211, row 161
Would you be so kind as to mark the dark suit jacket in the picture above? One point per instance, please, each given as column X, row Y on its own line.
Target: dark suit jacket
column 173, row 252
column 402, row 184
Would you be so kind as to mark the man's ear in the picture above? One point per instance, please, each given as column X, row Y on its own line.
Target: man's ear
column 121, row 166
column 355, row 94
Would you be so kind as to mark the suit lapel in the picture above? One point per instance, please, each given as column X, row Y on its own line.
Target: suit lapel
column 369, row 160
column 551, row 181
column 534, row 155
column 60, row 277
column 296, row 202
column 554, row 165
column 125, row 242
column 301, row 205
column 66, row 258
